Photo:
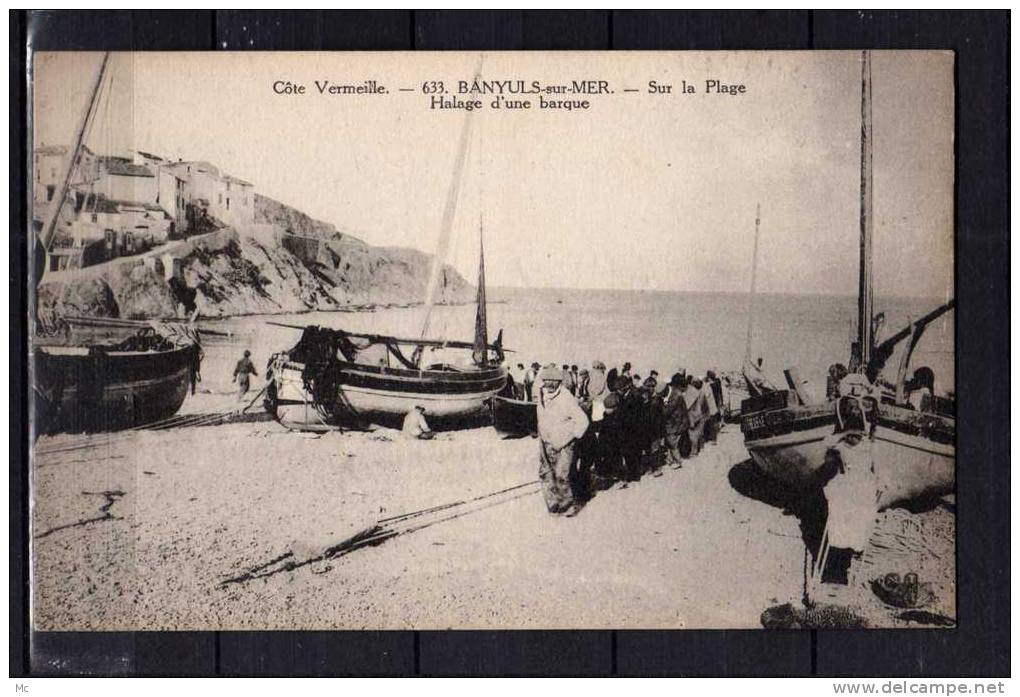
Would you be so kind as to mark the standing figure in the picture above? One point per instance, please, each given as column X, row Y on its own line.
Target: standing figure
column 530, row 376
column 594, row 394
column 569, row 380
column 837, row 371
column 583, row 380
column 697, row 410
column 631, row 417
column 608, row 457
column 242, row 371
column 675, row 417
column 654, row 426
column 611, row 378
column 659, row 389
column 517, row 376
column 561, row 423
column 713, row 399
column 598, row 385
column 921, row 388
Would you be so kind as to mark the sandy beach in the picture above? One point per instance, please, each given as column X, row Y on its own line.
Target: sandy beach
column 141, row 531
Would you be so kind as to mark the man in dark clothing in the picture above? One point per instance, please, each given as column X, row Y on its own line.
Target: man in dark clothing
column 607, row 459
column 242, row 371
column 651, row 443
column 611, row 377
column 715, row 420
column 631, row 425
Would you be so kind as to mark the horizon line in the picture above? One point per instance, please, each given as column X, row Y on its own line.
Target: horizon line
column 850, row 294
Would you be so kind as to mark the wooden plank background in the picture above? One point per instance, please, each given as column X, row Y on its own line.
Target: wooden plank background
column 980, row 646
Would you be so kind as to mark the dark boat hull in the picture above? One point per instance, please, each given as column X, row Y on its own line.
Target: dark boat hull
column 514, row 417
column 75, row 390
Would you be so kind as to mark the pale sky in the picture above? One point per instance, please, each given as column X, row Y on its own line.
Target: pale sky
column 641, row 191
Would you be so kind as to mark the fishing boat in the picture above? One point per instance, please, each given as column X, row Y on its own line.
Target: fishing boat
column 120, row 376
column 100, row 374
column 323, row 381
column 514, row 417
column 788, row 432
column 333, row 377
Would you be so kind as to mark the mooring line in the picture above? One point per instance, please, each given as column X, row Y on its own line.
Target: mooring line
column 424, row 511
column 384, row 530
column 184, row 421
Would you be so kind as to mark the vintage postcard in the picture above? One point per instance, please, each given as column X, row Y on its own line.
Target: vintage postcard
column 492, row 340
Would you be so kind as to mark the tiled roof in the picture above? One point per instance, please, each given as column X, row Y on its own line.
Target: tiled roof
column 149, row 155
column 199, row 165
column 108, row 205
column 127, row 169
column 107, row 160
column 236, row 180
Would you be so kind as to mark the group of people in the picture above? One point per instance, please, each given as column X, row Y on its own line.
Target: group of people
column 600, row 428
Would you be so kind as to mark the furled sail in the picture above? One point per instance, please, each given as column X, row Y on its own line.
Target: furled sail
column 480, row 352
column 446, row 227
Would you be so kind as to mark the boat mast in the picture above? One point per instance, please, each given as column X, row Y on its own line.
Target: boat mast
column 480, row 352
column 865, row 296
column 73, row 158
column 754, row 278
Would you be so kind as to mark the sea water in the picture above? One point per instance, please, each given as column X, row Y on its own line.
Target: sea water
column 664, row 331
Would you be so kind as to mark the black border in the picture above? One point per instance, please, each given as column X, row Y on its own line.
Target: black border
column 979, row 647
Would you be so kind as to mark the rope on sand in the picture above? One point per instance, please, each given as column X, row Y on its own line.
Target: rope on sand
column 388, row 528
column 179, row 421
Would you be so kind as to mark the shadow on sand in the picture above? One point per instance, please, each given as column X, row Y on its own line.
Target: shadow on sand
column 807, row 504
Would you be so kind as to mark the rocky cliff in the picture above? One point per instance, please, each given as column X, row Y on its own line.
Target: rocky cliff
column 286, row 262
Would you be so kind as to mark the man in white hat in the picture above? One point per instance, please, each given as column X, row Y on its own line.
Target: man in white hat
column 561, row 423
column 415, row 425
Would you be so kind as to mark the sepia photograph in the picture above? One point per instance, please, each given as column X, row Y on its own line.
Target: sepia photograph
column 492, row 340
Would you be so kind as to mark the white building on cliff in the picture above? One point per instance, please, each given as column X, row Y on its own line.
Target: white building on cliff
column 131, row 204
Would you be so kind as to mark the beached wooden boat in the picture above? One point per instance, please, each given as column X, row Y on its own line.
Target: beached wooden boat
column 99, row 374
column 913, row 449
column 514, row 417
column 914, row 453
column 76, row 388
column 340, row 391
column 334, row 377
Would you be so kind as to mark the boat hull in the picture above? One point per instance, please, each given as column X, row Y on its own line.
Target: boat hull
column 74, row 391
column 908, row 465
column 385, row 395
column 514, row 416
